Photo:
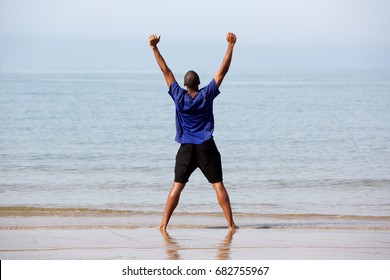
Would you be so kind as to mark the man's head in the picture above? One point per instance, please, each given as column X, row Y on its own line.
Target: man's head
column 191, row 80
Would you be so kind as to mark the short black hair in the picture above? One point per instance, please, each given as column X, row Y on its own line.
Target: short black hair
column 191, row 80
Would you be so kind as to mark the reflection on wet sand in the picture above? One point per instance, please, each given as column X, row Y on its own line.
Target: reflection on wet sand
column 223, row 250
column 172, row 246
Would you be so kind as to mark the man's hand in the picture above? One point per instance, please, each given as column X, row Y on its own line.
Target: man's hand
column 230, row 37
column 153, row 40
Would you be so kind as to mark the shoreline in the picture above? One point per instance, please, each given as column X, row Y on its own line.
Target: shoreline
column 104, row 235
column 35, row 218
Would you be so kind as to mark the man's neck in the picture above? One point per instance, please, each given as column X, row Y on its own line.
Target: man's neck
column 192, row 92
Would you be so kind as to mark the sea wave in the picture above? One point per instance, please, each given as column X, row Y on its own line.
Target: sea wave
column 79, row 211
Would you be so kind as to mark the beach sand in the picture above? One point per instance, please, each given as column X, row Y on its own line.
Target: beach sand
column 191, row 244
column 91, row 236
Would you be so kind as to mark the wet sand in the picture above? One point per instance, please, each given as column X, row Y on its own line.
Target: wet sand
column 188, row 243
column 92, row 234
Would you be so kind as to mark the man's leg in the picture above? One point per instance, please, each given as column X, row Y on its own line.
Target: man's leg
column 172, row 201
column 224, row 202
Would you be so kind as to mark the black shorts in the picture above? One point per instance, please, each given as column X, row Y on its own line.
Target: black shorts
column 205, row 156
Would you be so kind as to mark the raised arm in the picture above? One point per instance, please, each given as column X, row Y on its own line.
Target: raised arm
column 153, row 41
column 231, row 39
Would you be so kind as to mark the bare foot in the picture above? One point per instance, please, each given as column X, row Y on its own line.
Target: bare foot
column 162, row 226
column 233, row 228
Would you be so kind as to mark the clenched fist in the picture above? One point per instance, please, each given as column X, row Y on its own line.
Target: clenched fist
column 231, row 38
column 153, row 40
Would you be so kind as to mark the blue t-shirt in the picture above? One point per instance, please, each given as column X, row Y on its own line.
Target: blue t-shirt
column 194, row 117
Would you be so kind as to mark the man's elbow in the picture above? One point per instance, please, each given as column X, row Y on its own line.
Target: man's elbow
column 166, row 70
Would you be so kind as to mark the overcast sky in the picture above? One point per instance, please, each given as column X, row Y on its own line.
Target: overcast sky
column 112, row 34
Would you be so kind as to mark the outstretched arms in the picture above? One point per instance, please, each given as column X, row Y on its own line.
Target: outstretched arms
column 231, row 39
column 170, row 78
column 153, row 41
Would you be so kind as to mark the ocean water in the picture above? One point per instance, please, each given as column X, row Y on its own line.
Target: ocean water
column 292, row 142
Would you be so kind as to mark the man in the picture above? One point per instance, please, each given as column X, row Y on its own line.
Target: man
column 194, row 130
